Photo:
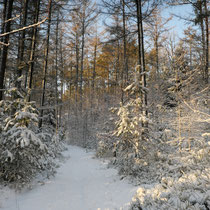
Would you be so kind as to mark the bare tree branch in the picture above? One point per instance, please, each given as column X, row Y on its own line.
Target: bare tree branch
column 17, row 16
column 2, row 43
column 24, row 28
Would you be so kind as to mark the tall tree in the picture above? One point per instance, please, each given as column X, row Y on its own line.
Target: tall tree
column 156, row 30
column 21, row 50
column 141, row 61
column 45, row 66
column 33, row 48
column 3, row 21
column 201, row 18
column 5, row 47
column 56, row 67
column 206, row 77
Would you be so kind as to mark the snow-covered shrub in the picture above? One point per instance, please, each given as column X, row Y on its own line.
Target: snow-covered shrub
column 105, row 147
column 182, row 181
column 183, row 167
column 23, row 151
column 190, row 191
column 55, row 142
column 132, row 138
column 132, row 135
column 52, row 135
column 102, row 149
column 129, row 127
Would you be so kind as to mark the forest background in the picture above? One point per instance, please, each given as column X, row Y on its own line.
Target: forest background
column 113, row 75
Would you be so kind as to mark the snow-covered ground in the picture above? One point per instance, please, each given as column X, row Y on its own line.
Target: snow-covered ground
column 81, row 183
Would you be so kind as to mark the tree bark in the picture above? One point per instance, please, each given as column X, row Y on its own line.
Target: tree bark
column 139, row 33
column 142, row 62
column 143, row 67
column 125, row 43
column 156, row 51
column 5, row 48
column 56, row 71
column 28, row 83
column 45, row 67
column 202, row 38
column 61, row 73
column 3, row 22
column 207, row 43
column 22, row 45
column 93, row 77
column 82, row 61
column 77, row 72
column 94, row 66
column 117, row 65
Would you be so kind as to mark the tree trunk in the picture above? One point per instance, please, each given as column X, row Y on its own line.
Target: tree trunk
column 28, row 83
column 207, row 43
column 142, row 63
column 61, row 73
column 77, row 73
column 156, row 48
column 5, row 48
column 139, row 34
column 3, row 22
column 56, row 72
column 20, row 64
column 94, row 66
column 45, row 62
column 203, row 39
column 144, row 84
column 157, row 75
column 117, row 65
column 93, row 77
column 125, row 44
column 82, row 62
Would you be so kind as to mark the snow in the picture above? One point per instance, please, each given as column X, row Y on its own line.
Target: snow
column 81, row 183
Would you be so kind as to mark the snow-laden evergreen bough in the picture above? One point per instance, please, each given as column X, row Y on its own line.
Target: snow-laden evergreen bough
column 131, row 141
column 24, row 150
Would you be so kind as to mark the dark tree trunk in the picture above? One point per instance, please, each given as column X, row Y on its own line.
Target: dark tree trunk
column 139, row 34
column 61, row 73
column 93, row 79
column 142, row 61
column 77, row 73
column 56, row 71
column 143, row 67
column 94, row 67
column 82, row 62
column 20, row 64
column 202, row 38
column 125, row 44
column 157, row 57
column 32, row 51
column 5, row 48
column 3, row 22
column 207, row 43
column 45, row 67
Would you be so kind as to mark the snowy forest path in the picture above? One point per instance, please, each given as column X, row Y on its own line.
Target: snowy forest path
column 81, row 183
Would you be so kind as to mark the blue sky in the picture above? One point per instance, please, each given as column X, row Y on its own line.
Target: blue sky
column 178, row 25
